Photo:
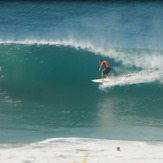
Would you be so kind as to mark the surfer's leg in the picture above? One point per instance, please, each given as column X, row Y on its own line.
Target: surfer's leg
column 105, row 73
column 102, row 76
column 108, row 70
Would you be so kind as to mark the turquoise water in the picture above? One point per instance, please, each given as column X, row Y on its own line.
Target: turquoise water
column 49, row 54
column 46, row 91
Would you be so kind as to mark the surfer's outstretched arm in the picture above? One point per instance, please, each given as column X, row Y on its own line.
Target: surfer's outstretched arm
column 99, row 68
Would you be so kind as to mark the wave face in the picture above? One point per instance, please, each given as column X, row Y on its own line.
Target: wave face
column 31, row 69
column 46, row 70
column 49, row 53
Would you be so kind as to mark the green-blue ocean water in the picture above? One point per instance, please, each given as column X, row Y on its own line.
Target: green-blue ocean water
column 49, row 54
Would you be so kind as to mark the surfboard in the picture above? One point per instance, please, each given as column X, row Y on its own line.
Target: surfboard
column 101, row 81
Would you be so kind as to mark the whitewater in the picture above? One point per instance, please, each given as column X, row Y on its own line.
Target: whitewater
column 76, row 150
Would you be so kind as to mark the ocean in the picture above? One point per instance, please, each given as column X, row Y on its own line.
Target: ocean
column 51, row 111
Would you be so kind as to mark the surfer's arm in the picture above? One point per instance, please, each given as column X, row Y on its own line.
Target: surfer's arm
column 100, row 67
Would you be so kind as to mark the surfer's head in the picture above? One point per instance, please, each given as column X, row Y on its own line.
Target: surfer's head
column 100, row 60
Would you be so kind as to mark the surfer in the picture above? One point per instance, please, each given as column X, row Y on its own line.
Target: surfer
column 106, row 69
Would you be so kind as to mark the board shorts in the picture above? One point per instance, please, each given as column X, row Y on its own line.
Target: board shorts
column 106, row 70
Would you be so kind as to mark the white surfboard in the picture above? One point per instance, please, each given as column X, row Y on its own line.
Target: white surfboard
column 101, row 81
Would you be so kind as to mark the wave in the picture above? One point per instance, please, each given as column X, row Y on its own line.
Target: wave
column 65, row 64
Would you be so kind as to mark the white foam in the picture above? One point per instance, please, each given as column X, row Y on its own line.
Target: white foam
column 71, row 150
column 140, row 77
